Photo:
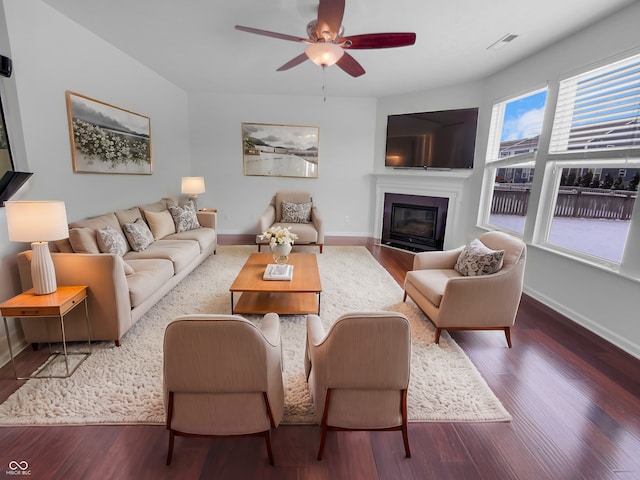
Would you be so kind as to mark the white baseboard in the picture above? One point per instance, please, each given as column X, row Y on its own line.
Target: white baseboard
column 608, row 335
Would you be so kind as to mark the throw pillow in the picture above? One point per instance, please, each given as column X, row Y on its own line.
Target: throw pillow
column 160, row 223
column 138, row 234
column 477, row 259
column 184, row 217
column 111, row 240
column 83, row 240
column 296, row 212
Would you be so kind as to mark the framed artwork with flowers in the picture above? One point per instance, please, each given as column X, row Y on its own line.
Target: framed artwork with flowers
column 107, row 139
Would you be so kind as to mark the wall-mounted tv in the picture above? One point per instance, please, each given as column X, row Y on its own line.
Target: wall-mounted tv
column 444, row 139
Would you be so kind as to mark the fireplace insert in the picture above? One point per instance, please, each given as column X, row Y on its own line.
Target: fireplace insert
column 415, row 223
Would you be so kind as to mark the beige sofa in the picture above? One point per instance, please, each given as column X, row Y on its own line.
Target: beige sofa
column 122, row 288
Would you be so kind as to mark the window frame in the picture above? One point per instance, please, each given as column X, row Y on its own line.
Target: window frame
column 548, row 166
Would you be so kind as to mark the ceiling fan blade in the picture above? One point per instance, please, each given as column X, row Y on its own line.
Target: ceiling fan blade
column 267, row 33
column 292, row 63
column 330, row 13
column 350, row 65
column 378, row 40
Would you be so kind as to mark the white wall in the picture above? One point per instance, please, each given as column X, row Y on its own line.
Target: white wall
column 467, row 95
column 344, row 185
column 602, row 301
column 52, row 54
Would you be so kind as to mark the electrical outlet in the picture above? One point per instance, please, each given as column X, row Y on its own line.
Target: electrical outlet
column 346, row 219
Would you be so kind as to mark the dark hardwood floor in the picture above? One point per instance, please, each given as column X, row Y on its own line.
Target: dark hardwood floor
column 574, row 398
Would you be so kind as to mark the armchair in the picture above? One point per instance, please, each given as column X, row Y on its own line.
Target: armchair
column 222, row 377
column 358, row 372
column 302, row 218
column 452, row 301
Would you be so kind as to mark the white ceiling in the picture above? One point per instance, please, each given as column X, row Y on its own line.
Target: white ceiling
column 193, row 43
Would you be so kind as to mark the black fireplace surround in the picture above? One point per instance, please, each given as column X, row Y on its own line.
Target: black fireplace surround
column 414, row 222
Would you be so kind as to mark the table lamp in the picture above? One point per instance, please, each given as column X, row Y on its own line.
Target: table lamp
column 38, row 222
column 192, row 186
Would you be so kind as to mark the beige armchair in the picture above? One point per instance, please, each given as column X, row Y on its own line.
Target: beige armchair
column 456, row 302
column 222, row 377
column 358, row 372
column 307, row 221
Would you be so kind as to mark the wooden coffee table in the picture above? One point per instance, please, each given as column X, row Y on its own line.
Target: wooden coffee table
column 300, row 295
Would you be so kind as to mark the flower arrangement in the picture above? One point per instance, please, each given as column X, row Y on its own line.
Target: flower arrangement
column 279, row 235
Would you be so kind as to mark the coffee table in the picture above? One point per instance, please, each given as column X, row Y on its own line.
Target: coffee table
column 300, row 295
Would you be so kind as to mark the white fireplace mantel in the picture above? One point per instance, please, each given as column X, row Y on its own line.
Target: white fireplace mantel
column 445, row 186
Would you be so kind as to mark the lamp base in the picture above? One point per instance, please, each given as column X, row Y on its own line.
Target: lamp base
column 43, row 274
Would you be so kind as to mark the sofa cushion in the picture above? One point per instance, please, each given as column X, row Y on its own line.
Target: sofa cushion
column 204, row 236
column 180, row 252
column 149, row 276
column 158, row 206
column 87, row 241
column 111, row 240
column 138, row 234
column 184, row 217
column 306, row 231
column 478, row 259
column 160, row 223
column 128, row 269
column 83, row 240
column 129, row 215
column 431, row 283
column 296, row 212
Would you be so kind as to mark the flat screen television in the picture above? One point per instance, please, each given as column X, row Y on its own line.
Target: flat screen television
column 444, row 139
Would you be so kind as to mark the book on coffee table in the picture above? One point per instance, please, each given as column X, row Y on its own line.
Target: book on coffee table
column 275, row 271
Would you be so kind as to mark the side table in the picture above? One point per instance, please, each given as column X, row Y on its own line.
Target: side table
column 56, row 304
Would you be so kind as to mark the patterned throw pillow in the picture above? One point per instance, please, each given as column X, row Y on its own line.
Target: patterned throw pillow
column 111, row 240
column 138, row 234
column 296, row 212
column 477, row 259
column 184, row 217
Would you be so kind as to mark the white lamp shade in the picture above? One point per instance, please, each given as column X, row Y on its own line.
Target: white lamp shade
column 36, row 221
column 193, row 185
column 324, row 54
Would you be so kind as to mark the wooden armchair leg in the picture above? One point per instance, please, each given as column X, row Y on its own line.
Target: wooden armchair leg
column 405, row 429
column 323, row 438
column 267, row 437
column 507, row 333
column 438, row 330
column 404, row 298
column 170, row 449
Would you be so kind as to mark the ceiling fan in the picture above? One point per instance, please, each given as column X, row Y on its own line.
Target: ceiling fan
column 326, row 43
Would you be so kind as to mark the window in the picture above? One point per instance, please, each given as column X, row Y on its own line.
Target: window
column 513, row 141
column 594, row 162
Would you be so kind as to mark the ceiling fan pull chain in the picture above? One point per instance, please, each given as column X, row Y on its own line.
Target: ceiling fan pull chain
column 324, row 77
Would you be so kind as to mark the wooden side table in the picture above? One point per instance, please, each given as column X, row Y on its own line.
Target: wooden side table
column 56, row 304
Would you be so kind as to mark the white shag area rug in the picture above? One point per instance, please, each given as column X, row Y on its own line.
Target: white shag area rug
column 123, row 385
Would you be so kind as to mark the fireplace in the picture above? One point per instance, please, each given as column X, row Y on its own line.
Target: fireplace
column 414, row 222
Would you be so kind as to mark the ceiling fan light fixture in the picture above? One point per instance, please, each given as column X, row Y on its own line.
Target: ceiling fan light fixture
column 324, row 54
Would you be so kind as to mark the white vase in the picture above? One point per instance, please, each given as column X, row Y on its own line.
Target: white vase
column 280, row 252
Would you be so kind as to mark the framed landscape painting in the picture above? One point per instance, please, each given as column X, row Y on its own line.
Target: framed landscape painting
column 107, row 139
column 280, row 150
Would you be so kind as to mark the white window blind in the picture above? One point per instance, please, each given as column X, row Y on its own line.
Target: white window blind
column 599, row 110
